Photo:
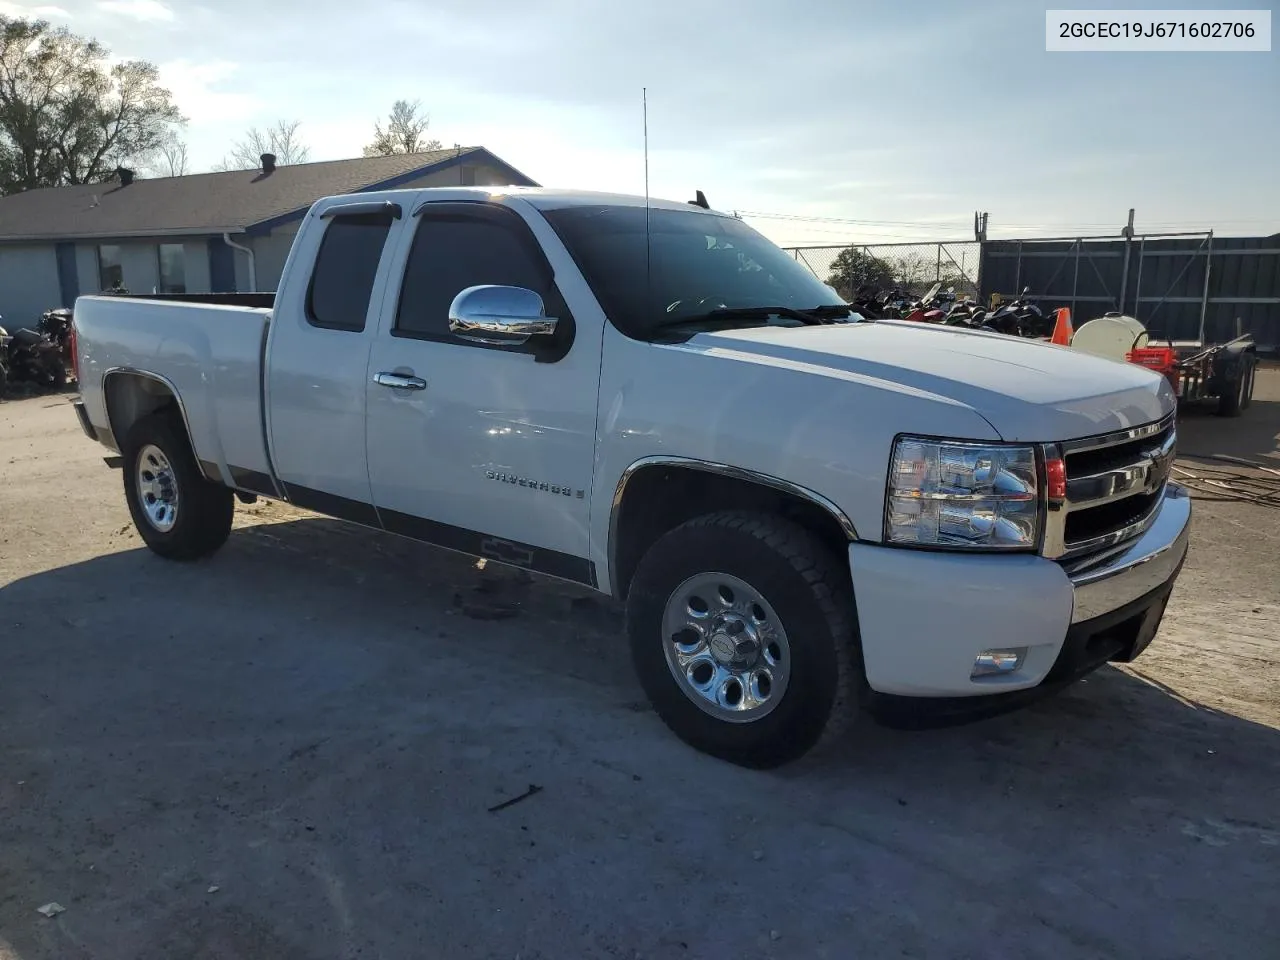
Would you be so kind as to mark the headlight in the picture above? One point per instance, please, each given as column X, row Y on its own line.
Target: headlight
column 949, row 493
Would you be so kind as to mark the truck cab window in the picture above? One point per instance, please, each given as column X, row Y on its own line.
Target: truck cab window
column 452, row 251
column 342, row 281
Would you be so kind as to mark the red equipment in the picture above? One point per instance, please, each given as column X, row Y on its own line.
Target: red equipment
column 1163, row 360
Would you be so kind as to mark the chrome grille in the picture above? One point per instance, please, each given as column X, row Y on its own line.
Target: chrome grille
column 1114, row 486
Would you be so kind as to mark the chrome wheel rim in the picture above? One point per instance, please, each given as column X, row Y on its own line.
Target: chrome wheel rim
column 157, row 488
column 726, row 647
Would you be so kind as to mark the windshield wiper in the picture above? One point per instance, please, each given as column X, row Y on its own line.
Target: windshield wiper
column 810, row 316
column 833, row 311
column 722, row 316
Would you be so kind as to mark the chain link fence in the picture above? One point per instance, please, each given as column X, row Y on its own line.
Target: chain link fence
column 910, row 267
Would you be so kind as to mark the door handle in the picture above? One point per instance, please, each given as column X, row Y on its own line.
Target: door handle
column 399, row 381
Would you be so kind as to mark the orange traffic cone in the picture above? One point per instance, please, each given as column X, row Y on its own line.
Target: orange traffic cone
column 1062, row 329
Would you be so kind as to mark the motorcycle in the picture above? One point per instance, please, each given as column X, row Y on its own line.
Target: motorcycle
column 56, row 325
column 1022, row 317
column 30, row 356
column 965, row 313
column 867, row 301
column 928, row 309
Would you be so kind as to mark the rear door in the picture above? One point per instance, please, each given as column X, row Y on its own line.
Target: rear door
column 318, row 362
column 491, row 450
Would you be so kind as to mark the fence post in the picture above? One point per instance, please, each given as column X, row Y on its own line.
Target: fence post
column 937, row 271
column 1204, row 296
column 1124, row 274
column 1137, row 287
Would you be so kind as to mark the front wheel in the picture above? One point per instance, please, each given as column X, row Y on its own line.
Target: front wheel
column 743, row 634
column 178, row 513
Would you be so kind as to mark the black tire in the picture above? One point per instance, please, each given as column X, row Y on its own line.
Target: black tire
column 1236, row 391
column 809, row 591
column 1247, row 394
column 204, row 512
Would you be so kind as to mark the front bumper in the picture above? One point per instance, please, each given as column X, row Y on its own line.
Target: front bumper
column 925, row 616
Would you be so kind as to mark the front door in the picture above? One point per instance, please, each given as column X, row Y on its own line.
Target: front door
column 480, row 448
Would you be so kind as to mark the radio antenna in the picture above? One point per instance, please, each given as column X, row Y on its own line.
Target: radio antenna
column 648, row 262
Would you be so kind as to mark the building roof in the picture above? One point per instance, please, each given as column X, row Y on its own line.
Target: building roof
column 210, row 203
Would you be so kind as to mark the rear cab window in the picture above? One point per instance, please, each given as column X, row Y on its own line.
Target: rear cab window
column 345, row 269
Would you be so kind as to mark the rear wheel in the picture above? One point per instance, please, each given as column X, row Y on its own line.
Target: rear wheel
column 1237, row 392
column 178, row 513
column 1247, row 397
column 743, row 634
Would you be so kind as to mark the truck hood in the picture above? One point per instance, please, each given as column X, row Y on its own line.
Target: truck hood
column 1026, row 390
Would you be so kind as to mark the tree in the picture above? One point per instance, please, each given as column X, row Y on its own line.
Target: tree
column 854, row 268
column 66, row 115
column 914, row 271
column 404, row 132
column 281, row 140
column 168, row 160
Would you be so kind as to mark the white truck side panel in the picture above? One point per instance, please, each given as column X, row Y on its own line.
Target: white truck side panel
column 211, row 355
column 824, row 430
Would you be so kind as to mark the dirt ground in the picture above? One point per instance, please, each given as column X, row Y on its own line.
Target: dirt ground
column 291, row 751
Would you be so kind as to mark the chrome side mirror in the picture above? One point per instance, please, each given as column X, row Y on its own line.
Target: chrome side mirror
column 501, row 316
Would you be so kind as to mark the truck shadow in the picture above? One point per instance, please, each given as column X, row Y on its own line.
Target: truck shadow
column 357, row 596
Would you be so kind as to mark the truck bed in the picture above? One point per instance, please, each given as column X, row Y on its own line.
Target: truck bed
column 262, row 300
column 207, row 350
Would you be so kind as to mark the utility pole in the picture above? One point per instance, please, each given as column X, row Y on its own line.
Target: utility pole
column 980, row 225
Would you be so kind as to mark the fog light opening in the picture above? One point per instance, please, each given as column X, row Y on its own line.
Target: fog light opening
column 990, row 663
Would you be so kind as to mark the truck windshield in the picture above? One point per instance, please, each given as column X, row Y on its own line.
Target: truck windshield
column 695, row 263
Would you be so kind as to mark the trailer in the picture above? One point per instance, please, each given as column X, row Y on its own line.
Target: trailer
column 1197, row 371
column 1222, row 371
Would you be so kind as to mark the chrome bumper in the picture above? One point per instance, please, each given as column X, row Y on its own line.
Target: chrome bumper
column 1144, row 565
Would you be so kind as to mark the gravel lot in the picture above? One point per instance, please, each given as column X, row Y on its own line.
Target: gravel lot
column 290, row 751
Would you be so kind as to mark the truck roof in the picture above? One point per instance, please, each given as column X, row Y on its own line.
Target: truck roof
column 550, row 198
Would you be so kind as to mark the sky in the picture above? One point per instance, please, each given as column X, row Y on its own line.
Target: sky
column 841, row 121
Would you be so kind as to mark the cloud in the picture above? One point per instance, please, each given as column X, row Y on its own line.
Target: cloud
column 200, row 90
column 145, row 10
column 44, row 12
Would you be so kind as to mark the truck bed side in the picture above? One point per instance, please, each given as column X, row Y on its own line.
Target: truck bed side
column 134, row 354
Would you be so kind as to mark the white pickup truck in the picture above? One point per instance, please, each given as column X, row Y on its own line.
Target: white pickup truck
column 806, row 513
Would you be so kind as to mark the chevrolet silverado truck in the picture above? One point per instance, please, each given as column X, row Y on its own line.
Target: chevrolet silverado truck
column 805, row 513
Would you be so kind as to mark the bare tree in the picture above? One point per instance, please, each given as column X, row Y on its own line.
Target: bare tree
column 66, row 115
column 914, row 271
column 404, row 133
column 168, row 160
column 281, row 140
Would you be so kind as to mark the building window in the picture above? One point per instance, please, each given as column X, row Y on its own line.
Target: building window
column 110, row 267
column 173, row 275
column 468, row 177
